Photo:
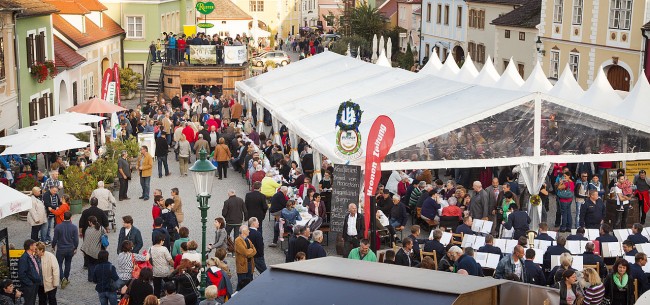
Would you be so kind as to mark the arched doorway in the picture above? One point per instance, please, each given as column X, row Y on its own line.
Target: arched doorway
column 618, row 77
column 105, row 65
column 459, row 55
column 64, row 99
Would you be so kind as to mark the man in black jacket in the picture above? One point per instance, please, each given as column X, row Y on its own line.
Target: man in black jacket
column 302, row 243
column 353, row 229
column 256, row 205
column 234, row 212
column 158, row 229
column 255, row 236
column 278, row 202
column 534, row 273
column 405, row 255
column 589, row 258
column 636, row 236
column 130, row 233
column 636, row 270
column 592, row 212
column 489, row 248
column 580, row 234
column 543, row 235
column 518, row 220
column 93, row 210
column 162, row 149
column 435, row 245
column 555, row 250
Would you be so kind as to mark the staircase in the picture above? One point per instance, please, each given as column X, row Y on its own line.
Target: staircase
column 152, row 83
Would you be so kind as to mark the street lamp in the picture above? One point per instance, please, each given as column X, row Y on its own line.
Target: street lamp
column 538, row 44
column 203, row 175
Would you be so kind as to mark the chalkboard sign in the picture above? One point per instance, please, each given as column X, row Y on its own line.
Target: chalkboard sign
column 346, row 188
column 14, row 256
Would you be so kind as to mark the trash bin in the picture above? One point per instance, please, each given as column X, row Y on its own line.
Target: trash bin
column 76, row 205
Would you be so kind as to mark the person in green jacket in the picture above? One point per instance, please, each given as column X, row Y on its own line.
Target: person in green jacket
column 363, row 252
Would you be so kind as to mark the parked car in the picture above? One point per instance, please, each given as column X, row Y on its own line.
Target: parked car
column 280, row 58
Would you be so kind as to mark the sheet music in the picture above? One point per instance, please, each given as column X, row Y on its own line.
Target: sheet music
column 481, row 258
column 646, row 232
column 542, row 244
column 622, row 234
column 500, row 243
column 479, row 242
column 507, row 233
column 573, row 246
column 468, row 241
column 446, row 238
column 612, row 249
column 552, row 234
column 592, row 234
column 477, row 225
column 645, row 248
column 510, row 245
column 576, row 264
column 492, row 260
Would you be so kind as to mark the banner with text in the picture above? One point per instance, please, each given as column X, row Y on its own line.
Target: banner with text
column 203, row 54
column 380, row 140
column 234, row 55
column 106, row 80
column 116, row 72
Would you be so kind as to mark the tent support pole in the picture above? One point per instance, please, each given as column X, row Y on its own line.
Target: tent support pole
column 537, row 133
column 624, row 145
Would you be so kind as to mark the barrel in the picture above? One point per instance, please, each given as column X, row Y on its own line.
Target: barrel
column 76, row 206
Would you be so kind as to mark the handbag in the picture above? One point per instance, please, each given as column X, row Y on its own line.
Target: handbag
column 104, row 240
column 136, row 269
column 230, row 244
column 125, row 296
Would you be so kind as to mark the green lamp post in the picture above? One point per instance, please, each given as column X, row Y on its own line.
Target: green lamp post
column 203, row 176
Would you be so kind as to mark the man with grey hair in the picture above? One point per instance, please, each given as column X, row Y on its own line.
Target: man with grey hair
column 415, row 194
column 315, row 249
column 124, row 175
column 244, row 257
column 201, row 143
column 255, row 236
column 353, row 229
column 234, row 212
column 104, row 197
column 463, row 261
column 479, row 207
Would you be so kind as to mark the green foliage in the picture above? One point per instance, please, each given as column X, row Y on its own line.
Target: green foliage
column 26, row 184
column 341, row 46
column 406, row 59
column 366, row 21
column 270, row 63
column 129, row 80
column 103, row 170
column 78, row 184
column 114, row 148
column 83, row 136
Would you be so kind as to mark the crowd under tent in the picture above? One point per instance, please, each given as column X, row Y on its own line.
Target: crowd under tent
column 335, row 280
column 446, row 117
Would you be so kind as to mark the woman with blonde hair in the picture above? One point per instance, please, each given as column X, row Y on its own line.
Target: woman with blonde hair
column 151, row 300
column 592, row 287
column 219, row 278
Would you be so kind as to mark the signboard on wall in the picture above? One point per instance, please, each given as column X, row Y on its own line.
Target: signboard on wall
column 345, row 190
column 633, row 167
column 203, row 54
column 235, row 55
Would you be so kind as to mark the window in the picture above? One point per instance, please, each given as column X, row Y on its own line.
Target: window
column 620, row 14
column 444, row 54
column 40, row 107
column 477, row 19
column 522, row 36
column 520, row 68
column 2, row 59
column 481, row 19
column 89, row 86
column 480, row 53
column 428, row 50
column 459, row 16
column 471, row 50
column 507, row 34
column 428, row 12
column 555, row 64
column 134, row 27
column 577, row 12
column 505, row 64
column 574, row 63
column 446, row 14
column 258, row 5
column 439, row 14
column 35, row 48
column 470, row 18
column 75, row 94
column 330, row 20
column 557, row 11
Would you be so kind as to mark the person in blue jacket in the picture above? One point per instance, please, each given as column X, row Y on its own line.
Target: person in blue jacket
column 29, row 272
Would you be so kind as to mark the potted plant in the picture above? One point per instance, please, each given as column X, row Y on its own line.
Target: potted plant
column 103, row 170
column 25, row 185
column 78, row 185
column 129, row 82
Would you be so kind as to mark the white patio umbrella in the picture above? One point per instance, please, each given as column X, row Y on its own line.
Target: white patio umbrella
column 58, row 126
column 389, row 49
column 45, row 143
column 72, row 118
column 374, row 48
column 13, row 201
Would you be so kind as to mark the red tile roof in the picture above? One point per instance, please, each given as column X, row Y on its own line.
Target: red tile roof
column 92, row 5
column 64, row 55
column 68, row 7
column 93, row 33
column 30, row 7
column 389, row 8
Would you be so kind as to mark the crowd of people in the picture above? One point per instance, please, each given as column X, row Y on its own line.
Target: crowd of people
column 299, row 211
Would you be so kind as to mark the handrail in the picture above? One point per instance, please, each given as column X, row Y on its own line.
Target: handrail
column 145, row 79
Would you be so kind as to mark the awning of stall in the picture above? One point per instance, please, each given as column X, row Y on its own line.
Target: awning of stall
column 446, row 122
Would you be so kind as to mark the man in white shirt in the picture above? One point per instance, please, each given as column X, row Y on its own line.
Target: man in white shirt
column 353, row 229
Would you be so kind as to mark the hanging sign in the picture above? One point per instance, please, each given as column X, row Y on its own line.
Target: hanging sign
column 116, row 73
column 348, row 138
column 380, row 140
column 205, row 7
column 110, row 93
column 204, row 25
column 107, row 79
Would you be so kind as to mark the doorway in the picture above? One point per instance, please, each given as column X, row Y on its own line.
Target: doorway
column 618, row 77
column 64, row 99
column 105, row 65
column 459, row 55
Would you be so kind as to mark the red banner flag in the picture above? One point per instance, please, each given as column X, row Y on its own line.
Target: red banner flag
column 107, row 79
column 380, row 140
column 116, row 72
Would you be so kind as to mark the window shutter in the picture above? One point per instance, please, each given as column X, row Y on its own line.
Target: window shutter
column 33, row 114
column 50, row 101
column 42, row 108
column 41, row 47
column 30, row 49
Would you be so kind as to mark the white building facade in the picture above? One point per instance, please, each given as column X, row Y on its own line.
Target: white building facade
column 444, row 29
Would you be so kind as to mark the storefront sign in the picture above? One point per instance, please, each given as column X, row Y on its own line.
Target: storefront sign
column 205, row 7
column 204, row 25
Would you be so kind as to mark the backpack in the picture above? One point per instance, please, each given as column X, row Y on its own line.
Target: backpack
column 217, row 279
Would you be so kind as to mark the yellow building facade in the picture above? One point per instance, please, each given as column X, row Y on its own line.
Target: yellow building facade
column 589, row 35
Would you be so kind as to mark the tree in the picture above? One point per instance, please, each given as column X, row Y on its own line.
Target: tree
column 365, row 21
column 341, row 46
column 406, row 60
